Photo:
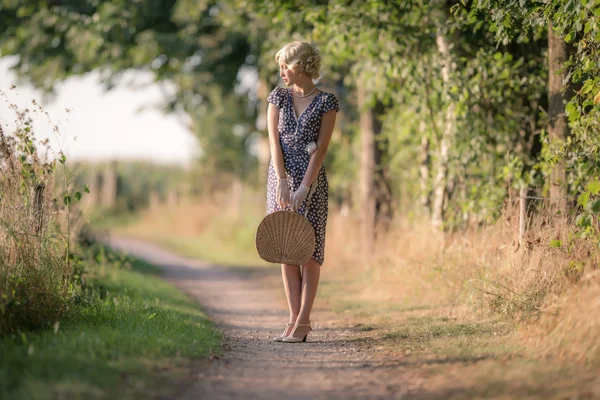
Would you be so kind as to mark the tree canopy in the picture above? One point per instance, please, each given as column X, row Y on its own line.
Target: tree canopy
column 463, row 87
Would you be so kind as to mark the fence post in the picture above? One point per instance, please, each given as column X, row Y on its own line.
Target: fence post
column 109, row 185
column 38, row 203
column 522, row 213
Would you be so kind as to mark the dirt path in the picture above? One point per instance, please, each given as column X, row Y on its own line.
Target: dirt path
column 338, row 361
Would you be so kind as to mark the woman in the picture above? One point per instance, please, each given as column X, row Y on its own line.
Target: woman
column 298, row 118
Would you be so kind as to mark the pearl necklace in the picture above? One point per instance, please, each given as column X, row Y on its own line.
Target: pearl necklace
column 306, row 95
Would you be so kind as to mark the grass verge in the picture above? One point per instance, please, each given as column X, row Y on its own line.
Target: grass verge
column 201, row 230
column 132, row 336
column 208, row 249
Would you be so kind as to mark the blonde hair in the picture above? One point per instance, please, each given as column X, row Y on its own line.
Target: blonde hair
column 301, row 57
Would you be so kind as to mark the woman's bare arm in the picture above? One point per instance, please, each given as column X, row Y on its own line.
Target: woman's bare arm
column 274, row 145
column 325, row 133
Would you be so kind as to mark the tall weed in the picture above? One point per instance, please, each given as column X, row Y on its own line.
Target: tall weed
column 38, row 272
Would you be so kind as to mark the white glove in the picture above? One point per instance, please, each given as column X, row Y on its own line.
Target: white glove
column 299, row 196
column 282, row 195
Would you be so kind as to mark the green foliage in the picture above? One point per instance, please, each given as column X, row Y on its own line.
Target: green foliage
column 578, row 24
column 183, row 42
column 494, row 96
column 174, row 39
column 226, row 134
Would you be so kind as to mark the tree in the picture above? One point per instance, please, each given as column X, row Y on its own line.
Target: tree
column 184, row 43
column 354, row 36
column 443, row 42
column 558, row 129
column 572, row 162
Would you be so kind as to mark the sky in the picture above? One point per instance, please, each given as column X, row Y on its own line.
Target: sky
column 124, row 123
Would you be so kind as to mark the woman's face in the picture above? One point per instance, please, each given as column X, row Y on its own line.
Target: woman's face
column 287, row 74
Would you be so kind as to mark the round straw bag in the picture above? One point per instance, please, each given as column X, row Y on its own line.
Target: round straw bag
column 286, row 237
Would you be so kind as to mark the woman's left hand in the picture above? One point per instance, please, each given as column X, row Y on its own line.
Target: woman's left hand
column 299, row 196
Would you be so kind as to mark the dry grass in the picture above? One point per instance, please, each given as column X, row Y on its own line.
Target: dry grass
column 219, row 229
column 36, row 274
column 569, row 326
column 474, row 274
column 552, row 291
column 192, row 216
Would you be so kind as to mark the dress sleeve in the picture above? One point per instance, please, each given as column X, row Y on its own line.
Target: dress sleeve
column 330, row 103
column 276, row 97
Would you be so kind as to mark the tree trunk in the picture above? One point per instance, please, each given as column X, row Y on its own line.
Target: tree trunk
column 375, row 200
column 424, row 166
column 558, row 128
column 439, row 183
column 383, row 189
column 366, row 185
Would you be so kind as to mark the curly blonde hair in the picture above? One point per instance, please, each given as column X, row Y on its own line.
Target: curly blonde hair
column 301, row 57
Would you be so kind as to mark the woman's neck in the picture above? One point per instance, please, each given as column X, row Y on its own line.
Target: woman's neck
column 302, row 88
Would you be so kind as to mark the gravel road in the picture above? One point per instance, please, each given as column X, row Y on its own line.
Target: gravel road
column 338, row 361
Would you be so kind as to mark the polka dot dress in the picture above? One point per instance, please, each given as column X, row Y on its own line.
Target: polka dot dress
column 294, row 136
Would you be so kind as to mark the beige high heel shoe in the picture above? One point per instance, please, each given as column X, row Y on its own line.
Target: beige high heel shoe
column 292, row 339
column 280, row 337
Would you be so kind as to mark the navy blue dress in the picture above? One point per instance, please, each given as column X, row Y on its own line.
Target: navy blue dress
column 294, row 136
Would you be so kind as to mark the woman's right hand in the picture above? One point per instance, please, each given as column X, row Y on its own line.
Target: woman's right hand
column 282, row 196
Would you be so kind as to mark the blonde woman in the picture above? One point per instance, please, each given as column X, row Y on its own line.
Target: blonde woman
column 300, row 123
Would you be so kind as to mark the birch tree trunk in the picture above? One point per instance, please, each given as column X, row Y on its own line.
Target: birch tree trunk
column 425, row 198
column 439, row 183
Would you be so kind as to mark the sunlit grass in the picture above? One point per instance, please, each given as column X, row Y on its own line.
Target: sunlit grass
column 201, row 230
column 210, row 249
column 133, row 336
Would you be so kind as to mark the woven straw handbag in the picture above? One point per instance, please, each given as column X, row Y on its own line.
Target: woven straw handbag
column 286, row 237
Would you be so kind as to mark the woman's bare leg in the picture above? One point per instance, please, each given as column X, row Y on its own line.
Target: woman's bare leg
column 311, row 272
column 292, row 284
